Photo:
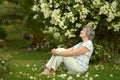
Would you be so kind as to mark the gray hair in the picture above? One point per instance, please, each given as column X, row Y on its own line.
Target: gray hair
column 90, row 32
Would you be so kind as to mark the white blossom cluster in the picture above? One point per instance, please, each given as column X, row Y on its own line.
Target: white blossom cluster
column 45, row 9
column 94, row 24
column 96, row 2
column 83, row 12
column 109, row 10
column 35, row 8
column 70, row 18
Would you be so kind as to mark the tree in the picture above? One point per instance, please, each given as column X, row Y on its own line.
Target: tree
column 19, row 12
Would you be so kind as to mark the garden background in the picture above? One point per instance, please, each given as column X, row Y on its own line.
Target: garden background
column 29, row 29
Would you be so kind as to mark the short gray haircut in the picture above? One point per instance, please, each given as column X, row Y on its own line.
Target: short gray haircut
column 90, row 32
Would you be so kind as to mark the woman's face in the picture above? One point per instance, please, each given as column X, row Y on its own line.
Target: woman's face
column 83, row 33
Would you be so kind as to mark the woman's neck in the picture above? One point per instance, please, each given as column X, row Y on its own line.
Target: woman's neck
column 85, row 39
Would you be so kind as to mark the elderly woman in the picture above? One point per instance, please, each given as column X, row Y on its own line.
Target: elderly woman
column 76, row 59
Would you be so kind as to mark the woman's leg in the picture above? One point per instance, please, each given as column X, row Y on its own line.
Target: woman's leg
column 69, row 62
column 72, row 65
column 52, row 65
column 54, row 62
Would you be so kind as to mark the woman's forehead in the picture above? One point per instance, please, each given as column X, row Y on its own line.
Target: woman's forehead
column 84, row 29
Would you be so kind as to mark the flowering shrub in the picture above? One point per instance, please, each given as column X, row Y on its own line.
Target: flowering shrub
column 65, row 17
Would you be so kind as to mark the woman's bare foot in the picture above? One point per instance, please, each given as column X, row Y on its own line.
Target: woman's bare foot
column 45, row 72
column 52, row 72
column 48, row 72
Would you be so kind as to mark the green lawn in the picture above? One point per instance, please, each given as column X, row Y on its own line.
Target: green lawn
column 26, row 65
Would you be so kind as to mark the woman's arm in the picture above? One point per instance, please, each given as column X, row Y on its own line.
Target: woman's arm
column 69, row 49
column 70, row 52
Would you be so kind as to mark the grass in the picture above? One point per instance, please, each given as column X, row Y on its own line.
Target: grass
column 26, row 65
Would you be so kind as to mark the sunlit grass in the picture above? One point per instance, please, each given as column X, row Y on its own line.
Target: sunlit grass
column 26, row 65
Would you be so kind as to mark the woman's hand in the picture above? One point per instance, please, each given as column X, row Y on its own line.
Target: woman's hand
column 54, row 51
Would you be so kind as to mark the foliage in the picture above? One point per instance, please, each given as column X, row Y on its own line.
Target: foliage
column 20, row 15
column 4, row 59
column 31, row 25
column 3, row 33
column 9, row 14
column 100, row 54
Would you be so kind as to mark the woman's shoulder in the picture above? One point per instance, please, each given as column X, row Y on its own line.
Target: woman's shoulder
column 89, row 42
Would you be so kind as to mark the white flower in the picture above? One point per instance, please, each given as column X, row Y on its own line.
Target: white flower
column 104, row 9
column 69, row 34
column 118, row 14
column 34, row 65
column 96, row 2
column 62, row 76
column 53, row 78
column 109, row 10
column 11, row 73
column 111, row 75
column 35, row 16
column 61, row 24
column 113, row 6
column 83, row 12
column 72, row 20
column 52, row 29
column 79, row 1
column 48, row 76
column 70, row 78
column 116, row 26
column 90, row 78
column 35, row 69
column 31, row 77
column 77, row 75
column 50, row 1
column 64, row 27
column 35, row 8
column 45, row 9
column 96, row 75
column 92, row 24
column 70, row 14
column 20, row 72
column 16, row 65
column 55, row 17
column 3, row 61
column 78, row 25
column 76, row 5
column 41, row 1
column 111, row 16
column 87, row 74
column 27, row 65
column 96, row 67
column 56, row 35
column 57, row 5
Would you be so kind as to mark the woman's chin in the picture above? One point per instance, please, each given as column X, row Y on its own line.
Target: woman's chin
column 80, row 36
